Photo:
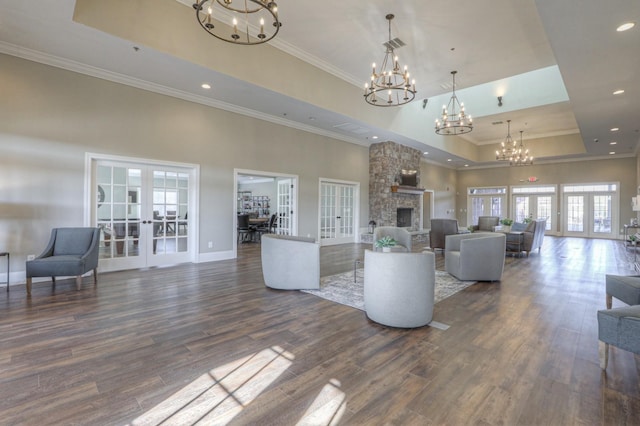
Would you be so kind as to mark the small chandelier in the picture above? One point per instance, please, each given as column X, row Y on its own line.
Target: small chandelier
column 251, row 21
column 521, row 155
column 454, row 123
column 389, row 85
column 508, row 147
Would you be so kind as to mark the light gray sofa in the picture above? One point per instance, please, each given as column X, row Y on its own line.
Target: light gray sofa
column 401, row 235
column 399, row 288
column 290, row 263
column 475, row 257
column 70, row 252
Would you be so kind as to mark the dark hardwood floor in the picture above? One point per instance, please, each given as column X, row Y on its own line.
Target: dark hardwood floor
column 209, row 344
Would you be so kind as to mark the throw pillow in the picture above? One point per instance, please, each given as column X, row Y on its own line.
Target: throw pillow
column 518, row 227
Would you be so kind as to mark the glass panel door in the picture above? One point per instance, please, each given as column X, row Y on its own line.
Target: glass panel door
column 337, row 213
column 142, row 212
column 535, row 207
column 285, row 209
column 589, row 215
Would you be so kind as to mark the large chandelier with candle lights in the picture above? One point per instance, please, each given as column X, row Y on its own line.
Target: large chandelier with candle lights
column 245, row 22
column 389, row 84
column 454, row 120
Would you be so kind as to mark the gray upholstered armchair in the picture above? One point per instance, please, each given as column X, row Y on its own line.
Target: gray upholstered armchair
column 486, row 224
column 401, row 235
column 440, row 228
column 475, row 257
column 70, row 252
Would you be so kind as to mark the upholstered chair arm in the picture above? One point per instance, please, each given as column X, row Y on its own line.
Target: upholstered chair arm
column 48, row 251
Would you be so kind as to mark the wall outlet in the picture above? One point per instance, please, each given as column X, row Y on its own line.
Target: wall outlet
column 31, row 256
column 210, row 244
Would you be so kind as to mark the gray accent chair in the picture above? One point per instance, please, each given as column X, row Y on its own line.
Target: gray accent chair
column 532, row 237
column 486, row 224
column 401, row 235
column 619, row 327
column 70, row 252
column 290, row 263
column 475, row 257
column 440, row 228
column 399, row 288
column 623, row 288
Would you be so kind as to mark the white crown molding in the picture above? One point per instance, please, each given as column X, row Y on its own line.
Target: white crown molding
column 70, row 65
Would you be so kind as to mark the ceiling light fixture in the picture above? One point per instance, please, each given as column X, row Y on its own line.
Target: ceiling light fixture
column 206, row 86
column 389, row 85
column 614, row 129
column 508, row 149
column 454, row 123
column 618, row 92
column 626, row 26
column 521, row 156
column 249, row 22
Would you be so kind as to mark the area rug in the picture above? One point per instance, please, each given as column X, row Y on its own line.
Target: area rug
column 340, row 288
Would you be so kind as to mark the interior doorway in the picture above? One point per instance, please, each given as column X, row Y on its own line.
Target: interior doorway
column 261, row 195
column 427, row 208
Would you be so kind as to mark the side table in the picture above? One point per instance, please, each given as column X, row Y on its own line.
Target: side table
column 515, row 238
column 6, row 253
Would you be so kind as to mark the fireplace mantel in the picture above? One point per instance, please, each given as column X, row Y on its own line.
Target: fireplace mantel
column 407, row 190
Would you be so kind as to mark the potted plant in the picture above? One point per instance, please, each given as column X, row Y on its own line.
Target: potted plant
column 506, row 224
column 528, row 219
column 385, row 243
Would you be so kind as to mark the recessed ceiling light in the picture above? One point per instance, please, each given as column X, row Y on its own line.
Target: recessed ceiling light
column 374, row 137
column 614, row 129
column 626, row 26
column 613, row 143
column 466, row 165
column 612, row 152
column 618, row 92
column 206, row 86
column 426, row 153
column 312, row 118
column 449, row 159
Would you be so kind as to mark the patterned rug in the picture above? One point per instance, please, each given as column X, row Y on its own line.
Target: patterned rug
column 340, row 288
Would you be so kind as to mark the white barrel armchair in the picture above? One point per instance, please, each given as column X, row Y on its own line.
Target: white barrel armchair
column 399, row 288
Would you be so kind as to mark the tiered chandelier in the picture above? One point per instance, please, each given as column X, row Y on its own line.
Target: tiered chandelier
column 521, row 156
column 508, row 150
column 389, row 85
column 249, row 21
column 455, row 121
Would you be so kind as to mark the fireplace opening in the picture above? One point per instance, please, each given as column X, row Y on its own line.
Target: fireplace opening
column 403, row 219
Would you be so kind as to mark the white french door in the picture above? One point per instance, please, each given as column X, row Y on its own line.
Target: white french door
column 536, row 203
column 285, row 204
column 337, row 216
column 143, row 213
column 486, row 202
column 590, row 210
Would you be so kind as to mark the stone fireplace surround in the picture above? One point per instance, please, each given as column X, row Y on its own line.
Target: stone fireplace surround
column 386, row 160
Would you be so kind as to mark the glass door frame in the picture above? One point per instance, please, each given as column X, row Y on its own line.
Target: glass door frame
column 90, row 213
column 588, row 218
column 487, row 193
column 355, row 215
column 536, row 192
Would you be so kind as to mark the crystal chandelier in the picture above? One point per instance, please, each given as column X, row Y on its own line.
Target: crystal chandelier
column 389, row 84
column 454, row 119
column 508, row 147
column 248, row 21
column 521, row 155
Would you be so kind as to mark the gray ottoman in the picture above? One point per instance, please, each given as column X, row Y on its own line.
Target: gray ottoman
column 619, row 327
column 623, row 288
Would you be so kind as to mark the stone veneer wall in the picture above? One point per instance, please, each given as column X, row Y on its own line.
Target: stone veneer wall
column 386, row 160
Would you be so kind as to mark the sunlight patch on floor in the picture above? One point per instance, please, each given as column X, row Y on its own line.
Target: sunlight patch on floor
column 220, row 394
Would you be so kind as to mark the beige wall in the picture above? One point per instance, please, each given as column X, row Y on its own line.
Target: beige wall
column 51, row 117
column 621, row 170
column 442, row 181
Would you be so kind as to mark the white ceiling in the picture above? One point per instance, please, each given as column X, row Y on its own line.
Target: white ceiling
column 556, row 64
